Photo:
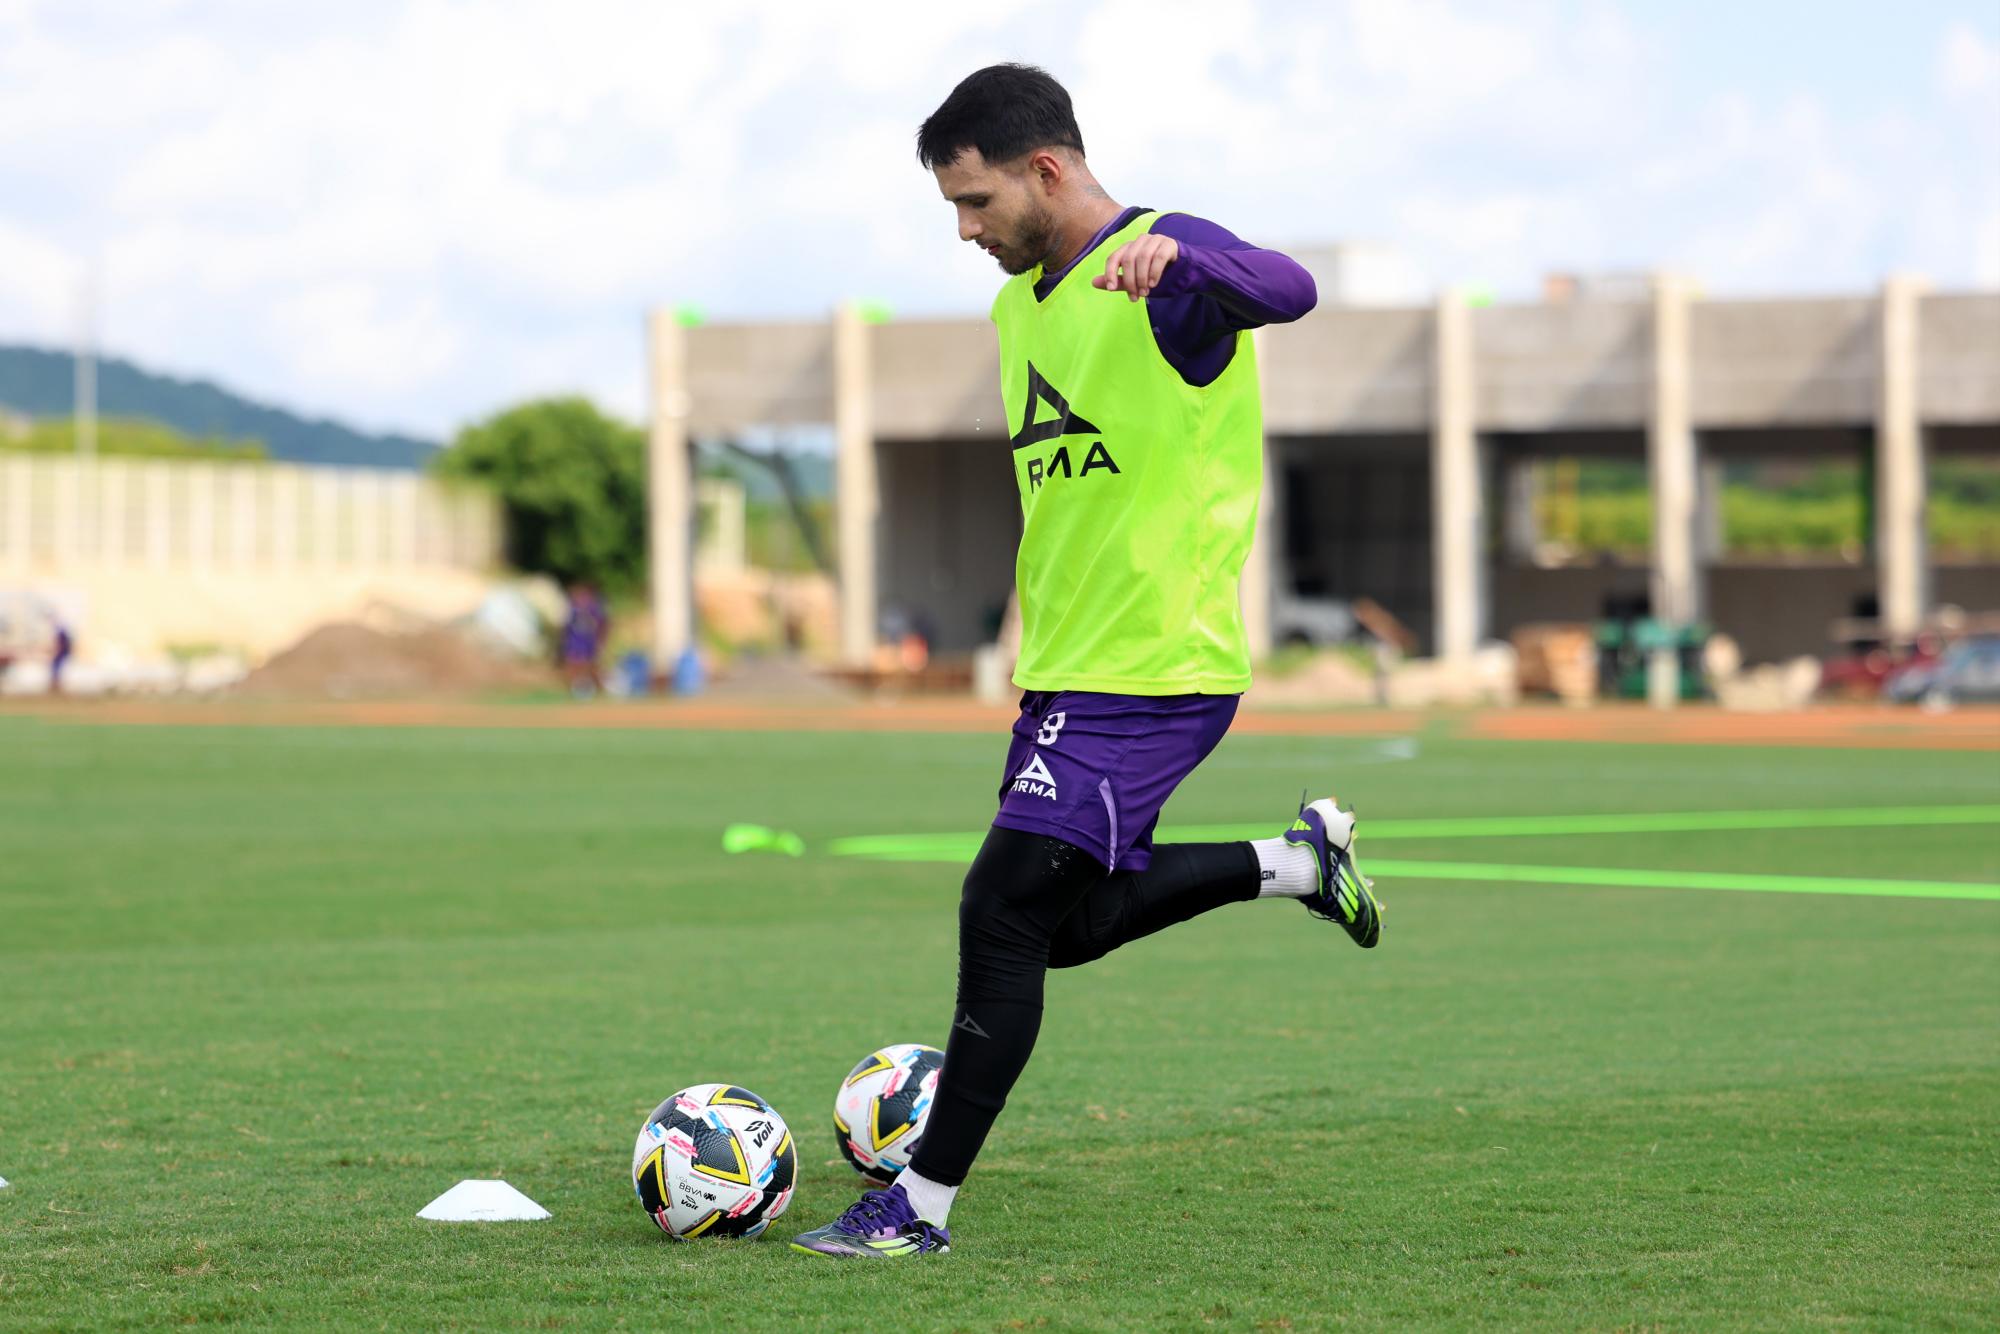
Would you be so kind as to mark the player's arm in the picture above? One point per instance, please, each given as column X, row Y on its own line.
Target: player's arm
column 1185, row 256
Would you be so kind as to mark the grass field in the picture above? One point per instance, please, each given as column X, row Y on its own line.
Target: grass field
column 264, row 992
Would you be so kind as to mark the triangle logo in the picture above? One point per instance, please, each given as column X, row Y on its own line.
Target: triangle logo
column 1060, row 421
column 1035, row 780
column 1036, row 772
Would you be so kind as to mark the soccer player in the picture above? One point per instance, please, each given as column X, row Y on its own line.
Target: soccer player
column 1130, row 384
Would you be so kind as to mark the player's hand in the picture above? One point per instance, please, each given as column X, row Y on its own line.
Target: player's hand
column 1135, row 267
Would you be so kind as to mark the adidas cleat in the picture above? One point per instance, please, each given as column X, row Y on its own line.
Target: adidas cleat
column 1344, row 895
column 880, row 1226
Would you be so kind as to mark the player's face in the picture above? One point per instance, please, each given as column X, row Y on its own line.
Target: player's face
column 1000, row 209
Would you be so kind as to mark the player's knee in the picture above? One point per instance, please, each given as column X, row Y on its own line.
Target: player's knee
column 1002, row 950
column 1073, row 947
column 1092, row 930
column 988, row 920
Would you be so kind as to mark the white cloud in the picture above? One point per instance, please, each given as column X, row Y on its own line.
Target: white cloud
column 40, row 280
column 408, row 213
column 1968, row 64
column 361, row 338
column 1986, row 249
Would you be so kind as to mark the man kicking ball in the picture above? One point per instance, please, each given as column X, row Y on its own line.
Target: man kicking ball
column 1131, row 390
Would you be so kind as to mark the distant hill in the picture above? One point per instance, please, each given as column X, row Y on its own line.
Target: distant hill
column 39, row 383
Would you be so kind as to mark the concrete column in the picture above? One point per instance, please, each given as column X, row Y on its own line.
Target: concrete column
column 1456, row 519
column 857, row 489
column 670, row 495
column 1671, row 457
column 1521, row 524
column 1262, row 568
column 723, row 544
column 1901, row 555
column 1710, row 534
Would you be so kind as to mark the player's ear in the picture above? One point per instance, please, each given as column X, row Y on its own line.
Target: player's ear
column 1048, row 168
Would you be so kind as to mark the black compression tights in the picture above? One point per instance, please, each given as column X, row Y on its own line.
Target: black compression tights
column 1032, row 903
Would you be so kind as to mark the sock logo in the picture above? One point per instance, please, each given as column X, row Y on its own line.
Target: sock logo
column 966, row 1024
column 1035, row 780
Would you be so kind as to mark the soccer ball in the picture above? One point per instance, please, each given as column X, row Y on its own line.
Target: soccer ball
column 714, row 1161
column 880, row 1111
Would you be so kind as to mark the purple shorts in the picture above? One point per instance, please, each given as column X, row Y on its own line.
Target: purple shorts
column 1094, row 770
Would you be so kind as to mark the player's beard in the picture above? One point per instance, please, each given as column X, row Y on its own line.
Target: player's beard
column 1038, row 237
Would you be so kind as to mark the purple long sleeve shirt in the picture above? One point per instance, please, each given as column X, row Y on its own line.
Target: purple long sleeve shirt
column 1219, row 285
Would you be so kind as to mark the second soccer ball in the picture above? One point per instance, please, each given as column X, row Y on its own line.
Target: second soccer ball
column 880, row 1110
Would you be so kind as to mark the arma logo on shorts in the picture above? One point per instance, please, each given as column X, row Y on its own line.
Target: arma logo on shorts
column 1063, row 421
column 1035, row 780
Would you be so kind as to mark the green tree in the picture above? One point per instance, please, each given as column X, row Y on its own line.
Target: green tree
column 572, row 482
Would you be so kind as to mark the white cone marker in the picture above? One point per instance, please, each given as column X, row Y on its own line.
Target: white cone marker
column 482, row 1202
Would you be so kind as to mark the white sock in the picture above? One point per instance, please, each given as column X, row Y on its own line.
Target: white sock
column 1288, row 868
column 931, row 1199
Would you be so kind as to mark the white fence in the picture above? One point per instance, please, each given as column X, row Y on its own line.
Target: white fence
column 58, row 513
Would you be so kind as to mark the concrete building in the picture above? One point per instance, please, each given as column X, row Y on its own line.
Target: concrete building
column 1397, row 440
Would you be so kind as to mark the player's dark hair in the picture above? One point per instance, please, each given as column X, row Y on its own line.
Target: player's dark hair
column 1003, row 111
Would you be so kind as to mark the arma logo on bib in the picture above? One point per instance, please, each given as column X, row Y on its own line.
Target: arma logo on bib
column 1062, row 420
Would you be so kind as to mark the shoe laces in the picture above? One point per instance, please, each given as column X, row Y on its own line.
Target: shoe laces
column 875, row 1211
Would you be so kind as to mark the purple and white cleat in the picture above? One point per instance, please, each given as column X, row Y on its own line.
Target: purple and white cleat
column 1344, row 895
column 880, row 1226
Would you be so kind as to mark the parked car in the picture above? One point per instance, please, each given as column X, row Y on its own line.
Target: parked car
column 1312, row 622
column 1966, row 672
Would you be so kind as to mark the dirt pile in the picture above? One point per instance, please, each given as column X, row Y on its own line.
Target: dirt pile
column 346, row 660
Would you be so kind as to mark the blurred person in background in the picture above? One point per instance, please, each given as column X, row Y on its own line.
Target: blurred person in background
column 62, row 644
column 1138, row 457
column 583, row 636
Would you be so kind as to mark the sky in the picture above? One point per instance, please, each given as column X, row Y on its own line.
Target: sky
column 410, row 215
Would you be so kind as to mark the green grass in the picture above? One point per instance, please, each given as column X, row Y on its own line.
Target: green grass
column 264, row 993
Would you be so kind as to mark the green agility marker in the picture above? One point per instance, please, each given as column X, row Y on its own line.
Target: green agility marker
column 760, row 838
column 1656, row 822
column 1614, row 877
column 959, row 849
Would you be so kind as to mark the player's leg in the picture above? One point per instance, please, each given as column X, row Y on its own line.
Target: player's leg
column 1085, row 780
column 1020, row 887
column 1313, row 862
column 1183, row 881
